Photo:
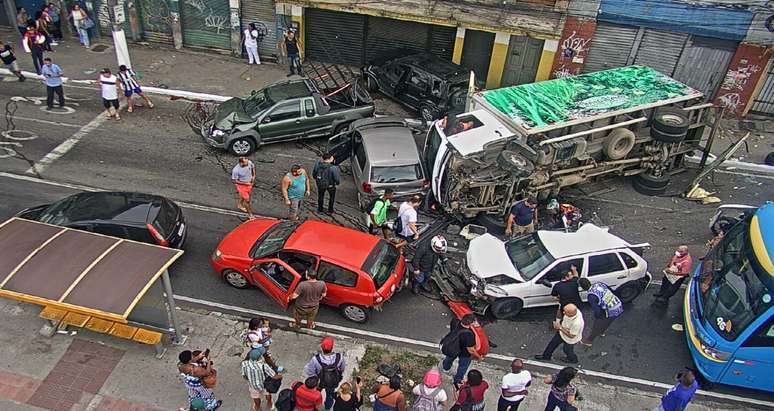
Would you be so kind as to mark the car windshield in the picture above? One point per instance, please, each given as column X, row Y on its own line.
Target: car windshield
column 257, row 102
column 734, row 289
column 99, row 206
column 57, row 213
column 381, row 262
column 396, row 174
column 273, row 240
column 529, row 256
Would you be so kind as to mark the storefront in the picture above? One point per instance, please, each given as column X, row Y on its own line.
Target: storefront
column 263, row 14
column 206, row 23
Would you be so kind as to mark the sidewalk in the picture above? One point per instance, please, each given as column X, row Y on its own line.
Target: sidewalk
column 95, row 372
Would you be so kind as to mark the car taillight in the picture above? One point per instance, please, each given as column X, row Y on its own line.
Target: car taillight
column 155, row 233
column 367, row 188
column 378, row 299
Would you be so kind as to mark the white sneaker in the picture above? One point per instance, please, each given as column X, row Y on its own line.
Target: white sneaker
column 53, row 43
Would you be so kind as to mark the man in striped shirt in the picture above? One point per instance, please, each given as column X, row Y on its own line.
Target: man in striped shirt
column 130, row 85
column 255, row 371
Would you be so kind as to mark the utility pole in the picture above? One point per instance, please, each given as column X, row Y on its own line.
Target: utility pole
column 117, row 18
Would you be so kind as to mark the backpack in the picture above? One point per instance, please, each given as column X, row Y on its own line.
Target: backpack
column 372, row 204
column 397, row 225
column 426, row 401
column 330, row 376
column 286, row 400
column 245, row 337
column 450, row 343
column 324, row 175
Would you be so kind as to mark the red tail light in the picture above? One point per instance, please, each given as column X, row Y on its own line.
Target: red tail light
column 155, row 233
column 367, row 188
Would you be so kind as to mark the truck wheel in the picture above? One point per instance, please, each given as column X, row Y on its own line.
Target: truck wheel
column 670, row 121
column 354, row 313
column 641, row 188
column 506, row 308
column 663, row 137
column 653, row 181
column 628, row 292
column 427, row 112
column 242, row 146
column 516, row 163
column 618, row 143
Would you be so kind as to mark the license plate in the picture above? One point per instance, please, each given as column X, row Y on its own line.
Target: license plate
column 181, row 230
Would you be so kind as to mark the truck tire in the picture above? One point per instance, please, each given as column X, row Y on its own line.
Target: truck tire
column 515, row 163
column 242, row 146
column 663, row 137
column 506, row 308
column 618, row 143
column 652, row 181
column 670, row 121
column 640, row 187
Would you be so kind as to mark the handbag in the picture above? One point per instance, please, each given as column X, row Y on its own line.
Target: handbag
column 88, row 23
column 271, row 384
column 210, row 380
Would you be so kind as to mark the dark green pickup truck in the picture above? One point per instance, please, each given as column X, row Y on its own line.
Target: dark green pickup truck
column 284, row 111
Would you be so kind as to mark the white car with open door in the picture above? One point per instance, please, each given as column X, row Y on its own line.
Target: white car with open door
column 520, row 273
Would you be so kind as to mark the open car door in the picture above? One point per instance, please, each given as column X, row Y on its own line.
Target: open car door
column 340, row 146
column 276, row 278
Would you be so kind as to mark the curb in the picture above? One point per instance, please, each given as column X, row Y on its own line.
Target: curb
column 733, row 164
column 188, row 95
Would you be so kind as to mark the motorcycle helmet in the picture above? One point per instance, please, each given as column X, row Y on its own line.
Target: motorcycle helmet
column 439, row 244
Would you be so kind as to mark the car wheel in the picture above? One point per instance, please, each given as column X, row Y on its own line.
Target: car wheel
column 242, row 147
column 618, row 143
column 354, row 313
column 628, row 292
column 515, row 163
column 340, row 128
column 506, row 308
column 670, row 121
column 723, row 223
column 235, row 279
column 426, row 112
column 371, row 84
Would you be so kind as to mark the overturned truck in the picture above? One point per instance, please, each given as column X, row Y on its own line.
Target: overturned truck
column 536, row 139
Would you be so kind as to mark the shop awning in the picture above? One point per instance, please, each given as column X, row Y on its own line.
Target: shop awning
column 77, row 271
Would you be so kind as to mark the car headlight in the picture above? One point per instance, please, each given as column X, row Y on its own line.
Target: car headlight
column 217, row 133
column 715, row 353
column 216, row 254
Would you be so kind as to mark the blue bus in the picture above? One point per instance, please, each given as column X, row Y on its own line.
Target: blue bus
column 729, row 305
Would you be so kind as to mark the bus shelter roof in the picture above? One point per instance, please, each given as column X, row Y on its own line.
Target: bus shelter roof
column 77, row 271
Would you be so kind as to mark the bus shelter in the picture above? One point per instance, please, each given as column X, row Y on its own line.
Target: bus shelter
column 104, row 284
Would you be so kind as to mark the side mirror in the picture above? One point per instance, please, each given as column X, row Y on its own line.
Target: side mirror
column 254, row 92
column 254, row 269
column 266, row 119
column 544, row 282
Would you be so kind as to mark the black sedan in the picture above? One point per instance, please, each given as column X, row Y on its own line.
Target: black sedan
column 134, row 216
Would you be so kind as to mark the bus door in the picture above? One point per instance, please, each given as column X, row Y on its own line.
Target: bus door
column 752, row 365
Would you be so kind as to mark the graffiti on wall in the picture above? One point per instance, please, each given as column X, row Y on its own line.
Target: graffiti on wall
column 737, row 79
column 564, row 71
column 156, row 16
column 211, row 19
column 574, row 48
column 731, row 100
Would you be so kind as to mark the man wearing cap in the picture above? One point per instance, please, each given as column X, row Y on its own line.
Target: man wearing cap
column 255, row 371
column 328, row 367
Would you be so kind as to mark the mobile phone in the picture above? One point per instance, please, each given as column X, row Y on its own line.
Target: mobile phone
column 357, row 380
column 207, row 353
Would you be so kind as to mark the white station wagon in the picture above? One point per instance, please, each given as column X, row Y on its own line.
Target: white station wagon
column 520, row 273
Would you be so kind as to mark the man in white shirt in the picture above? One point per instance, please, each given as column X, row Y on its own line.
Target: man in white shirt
column 251, row 44
column 514, row 387
column 568, row 333
column 110, row 86
column 407, row 214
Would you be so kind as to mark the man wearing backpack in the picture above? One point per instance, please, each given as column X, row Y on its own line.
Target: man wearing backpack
column 328, row 367
column 459, row 344
column 377, row 213
column 327, row 176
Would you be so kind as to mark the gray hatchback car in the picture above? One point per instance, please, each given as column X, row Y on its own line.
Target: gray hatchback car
column 383, row 154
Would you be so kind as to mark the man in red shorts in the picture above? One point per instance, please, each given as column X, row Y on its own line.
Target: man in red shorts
column 243, row 177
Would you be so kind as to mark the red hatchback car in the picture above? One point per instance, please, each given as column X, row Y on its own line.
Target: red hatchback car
column 361, row 271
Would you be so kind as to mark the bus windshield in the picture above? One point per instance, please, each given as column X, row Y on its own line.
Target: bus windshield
column 734, row 288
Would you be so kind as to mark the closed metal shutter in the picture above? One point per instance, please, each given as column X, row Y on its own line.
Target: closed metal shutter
column 262, row 13
column 334, row 36
column 388, row 37
column 442, row 41
column 154, row 15
column 763, row 103
column 477, row 52
column 610, row 47
column 704, row 63
column 660, row 50
column 206, row 23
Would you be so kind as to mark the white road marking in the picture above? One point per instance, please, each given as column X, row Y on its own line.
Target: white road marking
column 53, row 123
column 434, row 346
column 355, row 331
column 68, row 144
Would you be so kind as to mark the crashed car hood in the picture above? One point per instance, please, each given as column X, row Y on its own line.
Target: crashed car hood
column 230, row 113
column 487, row 257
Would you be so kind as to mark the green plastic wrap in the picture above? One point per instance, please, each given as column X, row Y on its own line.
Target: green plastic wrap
column 555, row 101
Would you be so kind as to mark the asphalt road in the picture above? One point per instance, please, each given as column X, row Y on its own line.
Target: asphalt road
column 154, row 151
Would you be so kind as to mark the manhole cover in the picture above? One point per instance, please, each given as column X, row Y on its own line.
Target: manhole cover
column 19, row 135
column 99, row 48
